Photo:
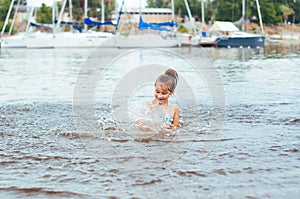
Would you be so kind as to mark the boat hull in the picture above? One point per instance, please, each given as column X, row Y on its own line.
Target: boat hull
column 16, row 41
column 237, row 42
column 141, row 41
column 40, row 40
column 81, row 40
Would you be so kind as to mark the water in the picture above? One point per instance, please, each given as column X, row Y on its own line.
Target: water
column 47, row 153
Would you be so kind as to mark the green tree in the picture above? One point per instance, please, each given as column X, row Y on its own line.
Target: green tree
column 159, row 3
column 286, row 11
column 269, row 12
column 93, row 5
column 195, row 7
column 4, row 6
column 228, row 10
column 296, row 7
column 44, row 14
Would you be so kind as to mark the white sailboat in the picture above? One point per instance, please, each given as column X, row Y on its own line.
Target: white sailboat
column 149, row 35
column 237, row 38
column 40, row 39
column 196, row 39
column 143, row 41
column 80, row 40
column 61, row 39
column 85, row 39
column 12, row 41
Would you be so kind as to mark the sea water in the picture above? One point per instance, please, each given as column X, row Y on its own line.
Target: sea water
column 65, row 124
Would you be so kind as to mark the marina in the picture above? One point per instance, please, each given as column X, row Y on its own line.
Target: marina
column 133, row 28
column 162, row 34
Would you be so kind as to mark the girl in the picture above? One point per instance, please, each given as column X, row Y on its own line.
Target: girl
column 160, row 108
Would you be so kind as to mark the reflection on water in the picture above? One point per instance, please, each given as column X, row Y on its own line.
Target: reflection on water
column 256, row 156
column 288, row 49
column 270, row 51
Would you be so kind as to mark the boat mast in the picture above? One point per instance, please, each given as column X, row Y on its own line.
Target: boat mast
column 102, row 11
column 53, row 17
column 140, row 11
column 14, row 18
column 243, row 15
column 260, row 19
column 116, row 9
column 71, row 13
column 119, row 16
column 7, row 17
column 190, row 15
column 173, row 14
column 173, row 10
column 85, row 13
column 31, row 9
column 60, row 14
column 202, row 14
column 102, row 15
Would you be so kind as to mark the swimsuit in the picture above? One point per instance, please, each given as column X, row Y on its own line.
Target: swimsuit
column 167, row 119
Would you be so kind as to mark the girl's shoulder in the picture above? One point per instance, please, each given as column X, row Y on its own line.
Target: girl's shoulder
column 173, row 107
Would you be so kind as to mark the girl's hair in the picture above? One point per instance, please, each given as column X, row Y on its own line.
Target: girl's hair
column 169, row 79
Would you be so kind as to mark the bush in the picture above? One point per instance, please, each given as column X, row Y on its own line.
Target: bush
column 182, row 29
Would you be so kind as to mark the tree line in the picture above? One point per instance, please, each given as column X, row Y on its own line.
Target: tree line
column 273, row 11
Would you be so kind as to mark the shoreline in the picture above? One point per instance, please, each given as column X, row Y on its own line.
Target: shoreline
column 281, row 32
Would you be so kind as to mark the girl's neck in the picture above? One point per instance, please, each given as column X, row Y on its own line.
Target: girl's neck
column 164, row 104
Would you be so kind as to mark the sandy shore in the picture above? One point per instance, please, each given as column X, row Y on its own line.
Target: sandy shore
column 283, row 29
column 282, row 32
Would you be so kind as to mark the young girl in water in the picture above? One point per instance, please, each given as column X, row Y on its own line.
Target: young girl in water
column 168, row 113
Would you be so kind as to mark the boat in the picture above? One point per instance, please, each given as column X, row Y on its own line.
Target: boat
column 142, row 41
column 241, row 39
column 8, row 40
column 197, row 39
column 147, row 35
column 233, row 37
column 205, row 40
column 161, row 38
column 39, row 40
column 273, row 39
column 76, row 38
column 13, row 41
column 81, row 38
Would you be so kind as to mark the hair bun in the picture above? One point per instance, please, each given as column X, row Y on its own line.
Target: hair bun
column 169, row 79
column 172, row 73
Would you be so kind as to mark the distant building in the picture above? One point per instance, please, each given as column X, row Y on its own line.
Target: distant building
column 149, row 15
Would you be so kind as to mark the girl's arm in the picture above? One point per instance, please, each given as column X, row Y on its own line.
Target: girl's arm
column 142, row 123
column 145, row 126
column 176, row 118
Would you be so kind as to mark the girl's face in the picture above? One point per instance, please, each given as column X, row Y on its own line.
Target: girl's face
column 162, row 94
